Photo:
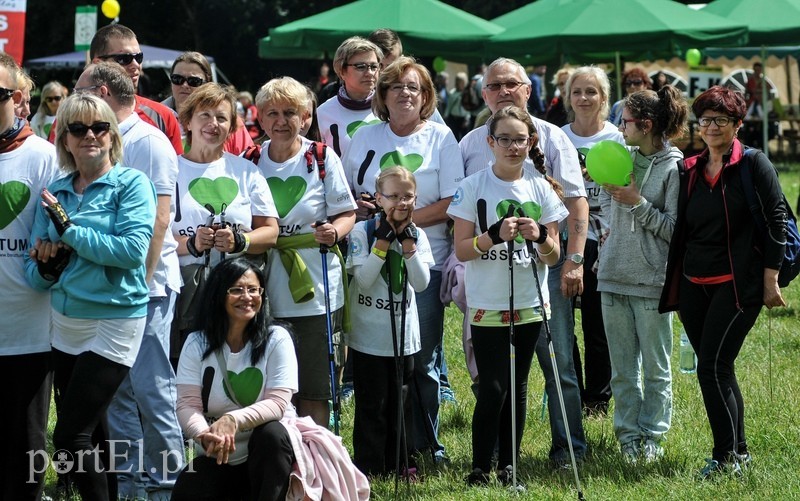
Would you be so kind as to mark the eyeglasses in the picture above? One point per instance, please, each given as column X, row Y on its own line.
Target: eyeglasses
column 721, row 121
column 51, row 99
column 88, row 88
column 5, row 94
column 625, row 121
column 124, row 59
column 362, row 67
column 80, row 130
column 632, row 83
column 509, row 86
column 506, row 142
column 398, row 88
column 180, row 79
column 399, row 198
column 251, row 291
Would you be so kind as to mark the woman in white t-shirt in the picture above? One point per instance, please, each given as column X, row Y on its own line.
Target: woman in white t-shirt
column 236, row 378
column 307, row 190
column 482, row 231
column 211, row 183
column 405, row 100
column 587, row 105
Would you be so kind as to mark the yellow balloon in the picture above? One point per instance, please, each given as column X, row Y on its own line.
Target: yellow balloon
column 110, row 8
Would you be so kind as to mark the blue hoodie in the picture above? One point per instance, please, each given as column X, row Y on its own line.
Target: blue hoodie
column 110, row 235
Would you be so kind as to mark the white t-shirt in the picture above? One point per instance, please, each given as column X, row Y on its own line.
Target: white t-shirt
column 583, row 145
column 371, row 331
column 337, row 124
column 483, row 196
column 276, row 369
column 146, row 148
column 301, row 199
column 231, row 181
column 431, row 154
column 560, row 159
column 25, row 312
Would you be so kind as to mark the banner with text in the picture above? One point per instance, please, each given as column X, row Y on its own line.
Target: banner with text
column 12, row 28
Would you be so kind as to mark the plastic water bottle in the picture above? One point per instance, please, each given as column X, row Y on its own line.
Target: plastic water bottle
column 688, row 360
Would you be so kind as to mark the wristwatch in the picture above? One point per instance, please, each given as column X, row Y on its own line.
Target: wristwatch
column 576, row 258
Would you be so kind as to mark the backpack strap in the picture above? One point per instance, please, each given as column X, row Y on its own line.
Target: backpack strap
column 316, row 152
column 370, row 227
column 252, row 153
column 746, row 172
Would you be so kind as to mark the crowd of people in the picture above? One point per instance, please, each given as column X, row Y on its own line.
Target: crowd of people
column 188, row 271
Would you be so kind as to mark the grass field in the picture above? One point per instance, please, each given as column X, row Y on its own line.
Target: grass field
column 773, row 428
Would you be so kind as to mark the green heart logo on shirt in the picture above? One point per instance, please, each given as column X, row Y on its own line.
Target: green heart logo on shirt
column 14, row 196
column 395, row 262
column 353, row 127
column 411, row 162
column 531, row 209
column 286, row 193
column 216, row 192
column 246, row 385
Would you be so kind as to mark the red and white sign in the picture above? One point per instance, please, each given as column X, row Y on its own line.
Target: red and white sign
column 12, row 28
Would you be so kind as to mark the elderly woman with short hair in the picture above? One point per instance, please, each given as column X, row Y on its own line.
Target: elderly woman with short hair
column 357, row 64
column 404, row 101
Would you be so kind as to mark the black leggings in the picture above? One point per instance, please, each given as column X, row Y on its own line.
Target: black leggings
column 716, row 329
column 86, row 383
column 263, row 476
column 491, row 420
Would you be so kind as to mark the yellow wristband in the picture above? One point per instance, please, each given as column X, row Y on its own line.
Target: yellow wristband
column 246, row 243
column 381, row 254
column 552, row 248
column 477, row 249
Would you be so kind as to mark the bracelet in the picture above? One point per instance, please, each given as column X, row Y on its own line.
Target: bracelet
column 551, row 250
column 191, row 247
column 381, row 254
column 542, row 234
column 246, row 242
column 475, row 246
column 637, row 205
column 335, row 236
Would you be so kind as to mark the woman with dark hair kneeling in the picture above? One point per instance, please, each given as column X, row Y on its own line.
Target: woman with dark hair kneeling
column 236, row 377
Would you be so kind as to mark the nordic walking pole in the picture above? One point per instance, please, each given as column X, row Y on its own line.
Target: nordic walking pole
column 512, row 357
column 529, row 244
column 323, row 251
column 398, row 369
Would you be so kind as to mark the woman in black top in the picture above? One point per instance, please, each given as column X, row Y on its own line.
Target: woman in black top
column 721, row 269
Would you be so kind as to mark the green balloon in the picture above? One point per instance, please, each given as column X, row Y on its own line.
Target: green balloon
column 693, row 57
column 439, row 64
column 608, row 162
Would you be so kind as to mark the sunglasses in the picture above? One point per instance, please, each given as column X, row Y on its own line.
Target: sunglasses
column 51, row 99
column 124, row 59
column 631, row 83
column 80, row 130
column 5, row 94
column 180, row 79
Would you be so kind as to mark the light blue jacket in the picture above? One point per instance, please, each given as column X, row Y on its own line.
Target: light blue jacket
column 110, row 235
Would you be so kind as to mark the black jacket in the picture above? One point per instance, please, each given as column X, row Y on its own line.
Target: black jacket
column 748, row 252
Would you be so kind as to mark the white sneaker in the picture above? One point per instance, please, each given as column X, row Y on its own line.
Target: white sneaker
column 631, row 451
column 651, row 451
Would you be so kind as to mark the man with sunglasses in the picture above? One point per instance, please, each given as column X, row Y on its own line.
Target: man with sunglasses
column 27, row 165
column 118, row 43
column 506, row 84
column 143, row 411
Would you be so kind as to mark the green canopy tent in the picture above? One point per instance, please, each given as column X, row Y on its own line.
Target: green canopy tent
column 771, row 22
column 587, row 31
column 427, row 28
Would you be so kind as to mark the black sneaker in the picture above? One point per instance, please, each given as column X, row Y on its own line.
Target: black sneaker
column 477, row 477
column 506, row 477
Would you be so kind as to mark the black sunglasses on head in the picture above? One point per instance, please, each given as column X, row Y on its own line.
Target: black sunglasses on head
column 5, row 94
column 180, row 79
column 80, row 130
column 124, row 59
